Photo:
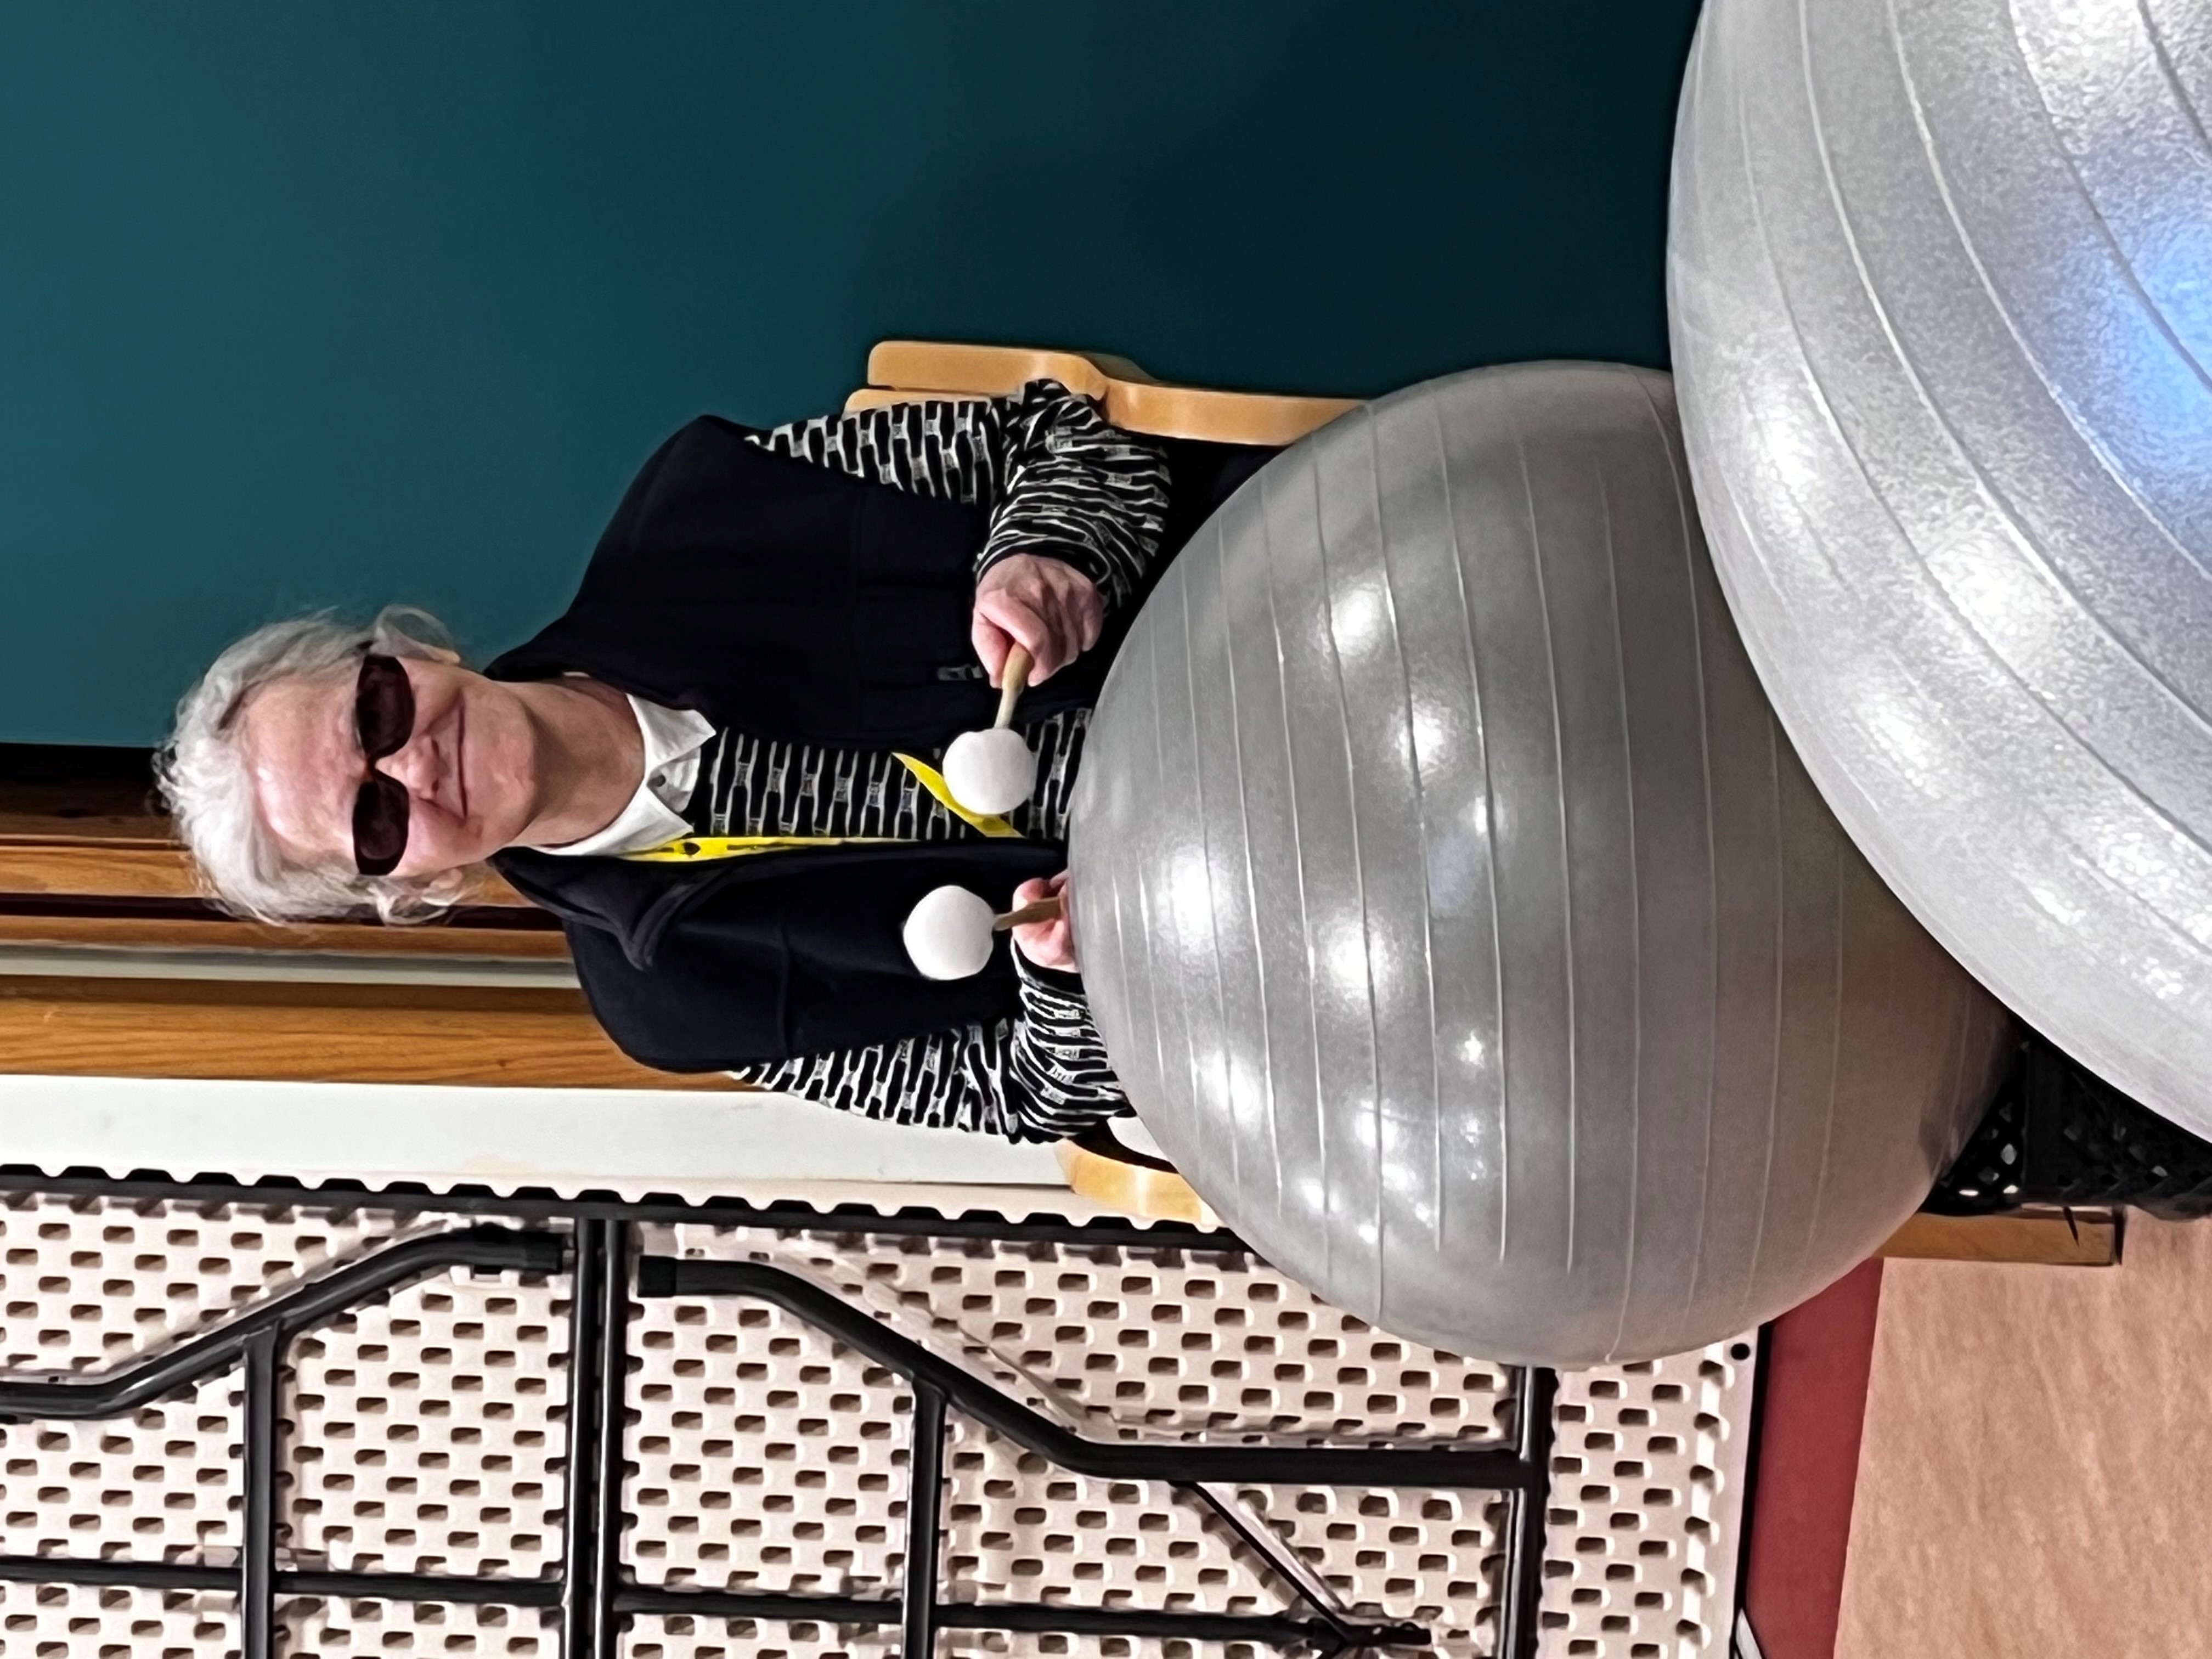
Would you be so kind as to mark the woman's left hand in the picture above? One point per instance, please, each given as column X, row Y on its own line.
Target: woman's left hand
column 1047, row 944
column 1048, row 606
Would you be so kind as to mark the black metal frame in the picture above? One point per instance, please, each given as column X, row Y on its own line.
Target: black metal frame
column 594, row 1597
column 2058, row 1135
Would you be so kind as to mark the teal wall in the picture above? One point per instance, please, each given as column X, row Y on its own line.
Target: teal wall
column 309, row 304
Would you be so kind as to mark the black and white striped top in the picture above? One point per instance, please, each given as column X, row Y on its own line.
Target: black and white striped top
column 1059, row 481
column 750, row 787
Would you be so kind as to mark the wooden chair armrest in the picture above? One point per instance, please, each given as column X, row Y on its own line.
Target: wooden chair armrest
column 996, row 371
column 1132, row 399
column 883, row 397
column 1101, row 1169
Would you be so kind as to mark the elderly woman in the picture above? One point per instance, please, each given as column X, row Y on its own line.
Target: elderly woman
column 777, row 634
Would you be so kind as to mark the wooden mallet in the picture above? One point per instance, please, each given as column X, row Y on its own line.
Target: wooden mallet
column 1045, row 909
column 1013, row 680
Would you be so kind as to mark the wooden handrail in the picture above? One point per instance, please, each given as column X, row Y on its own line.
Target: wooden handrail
column 314, row 1032
column 142, row 867
column 142, row 932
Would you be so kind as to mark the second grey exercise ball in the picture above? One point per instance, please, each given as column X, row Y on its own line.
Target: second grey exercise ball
column 1459, row 918
column 1940, row 291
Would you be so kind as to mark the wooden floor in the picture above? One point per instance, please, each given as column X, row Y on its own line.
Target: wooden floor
column 2035, row 1477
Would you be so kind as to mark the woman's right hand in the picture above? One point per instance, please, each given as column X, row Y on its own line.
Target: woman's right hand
column 1047, row 944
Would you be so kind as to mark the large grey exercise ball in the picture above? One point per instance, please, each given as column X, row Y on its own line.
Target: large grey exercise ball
column 1942, row 295
column 1458, row 917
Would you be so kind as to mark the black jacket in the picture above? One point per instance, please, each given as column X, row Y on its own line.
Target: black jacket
column 796, row 604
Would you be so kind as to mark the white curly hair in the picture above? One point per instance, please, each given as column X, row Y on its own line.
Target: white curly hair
column 204, row 779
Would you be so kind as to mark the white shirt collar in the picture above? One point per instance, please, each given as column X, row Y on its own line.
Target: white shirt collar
column 673, row 738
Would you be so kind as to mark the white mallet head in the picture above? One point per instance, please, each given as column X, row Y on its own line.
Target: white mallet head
column 948, row 934
column 990, row 771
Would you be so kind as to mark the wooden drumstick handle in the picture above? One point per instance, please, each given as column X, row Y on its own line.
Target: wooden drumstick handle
column 1013, row 680
column 1045, row 909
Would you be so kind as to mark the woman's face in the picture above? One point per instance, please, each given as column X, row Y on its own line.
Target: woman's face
column 469, row 766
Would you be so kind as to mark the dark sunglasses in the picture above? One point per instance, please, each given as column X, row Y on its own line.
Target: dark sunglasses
column 383, row 719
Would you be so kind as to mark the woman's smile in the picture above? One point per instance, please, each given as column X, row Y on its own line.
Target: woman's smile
column 460, row 769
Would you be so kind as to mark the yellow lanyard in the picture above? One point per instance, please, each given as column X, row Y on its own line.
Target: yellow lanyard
column 690, row 850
